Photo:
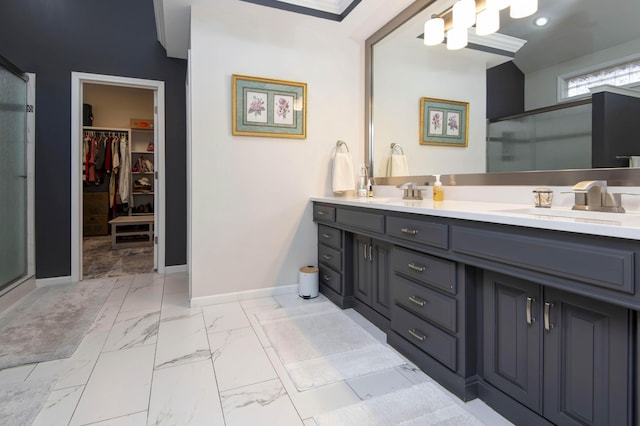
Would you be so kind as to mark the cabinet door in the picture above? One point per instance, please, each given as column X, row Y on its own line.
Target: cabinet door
column 362, row 252
column 586, row 360
column 512, row 349
column 380, row 278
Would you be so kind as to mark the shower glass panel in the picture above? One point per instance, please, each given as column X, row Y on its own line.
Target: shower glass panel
column 13, row 177
column 552, row 140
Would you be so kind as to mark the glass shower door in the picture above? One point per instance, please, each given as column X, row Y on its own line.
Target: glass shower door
column 13, row 178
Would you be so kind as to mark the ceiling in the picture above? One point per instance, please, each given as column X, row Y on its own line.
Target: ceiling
column 576, row 27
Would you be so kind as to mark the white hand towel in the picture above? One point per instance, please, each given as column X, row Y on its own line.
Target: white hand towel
column 399, row 165
column 343, row 175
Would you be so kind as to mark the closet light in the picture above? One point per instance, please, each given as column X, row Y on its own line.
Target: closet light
column 464, row 13
column 434, row 31
column 488, row 21
column 523, row 8
column 498, row 4
column 457, row 38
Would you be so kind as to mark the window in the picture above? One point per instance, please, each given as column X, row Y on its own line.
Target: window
column 622, row 74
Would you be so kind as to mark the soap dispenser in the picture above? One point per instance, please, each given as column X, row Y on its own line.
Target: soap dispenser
column 438, row 191
column 362, row 182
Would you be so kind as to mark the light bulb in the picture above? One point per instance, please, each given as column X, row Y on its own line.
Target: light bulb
column 523, row 8
column 456, row 38
column 464, row 13
column 434, row 31
column 488, row 21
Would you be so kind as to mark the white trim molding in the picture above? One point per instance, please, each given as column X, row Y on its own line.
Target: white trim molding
column 243, row 295
column 48, row 282
column 176, row 269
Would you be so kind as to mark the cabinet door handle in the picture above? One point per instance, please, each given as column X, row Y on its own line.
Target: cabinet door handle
column 327, row 236
column 417, row 335
column 547, row 321
column 409, row 231
column 364, row 252
column 417, row 268
column 321, row 213
column 326, row 277
column 327, row 257
column 530, row 319
column 417, row 300
column 370, row 257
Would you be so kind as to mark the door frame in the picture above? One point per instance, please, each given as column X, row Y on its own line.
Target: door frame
column 77, row 80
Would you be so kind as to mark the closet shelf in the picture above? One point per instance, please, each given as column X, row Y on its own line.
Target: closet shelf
column 141, row 173
column 142, row 152
column 142, row 192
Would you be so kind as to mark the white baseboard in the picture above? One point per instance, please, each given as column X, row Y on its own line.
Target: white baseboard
column 176, row 269
column 243, row 295
column 46, row 282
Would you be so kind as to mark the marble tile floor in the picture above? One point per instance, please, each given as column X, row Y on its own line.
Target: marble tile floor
column 99, row 260
column 151, row 359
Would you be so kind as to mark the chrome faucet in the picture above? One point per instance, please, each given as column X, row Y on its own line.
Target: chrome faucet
column 592, row 195
column 411, row 191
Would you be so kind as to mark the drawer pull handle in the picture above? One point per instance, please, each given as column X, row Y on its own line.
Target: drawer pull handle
column 547, row 320
column 326, row 277
column 417, row 268
column 417, row 300
column 327, row 256
column 414, row 333
column 321, row 213
column 409, row 231
column 327, row 236
column 530, row 319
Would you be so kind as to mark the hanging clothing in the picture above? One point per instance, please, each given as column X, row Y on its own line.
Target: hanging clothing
column 124, row 182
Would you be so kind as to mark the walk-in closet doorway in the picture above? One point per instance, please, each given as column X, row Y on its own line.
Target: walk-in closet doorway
column 126, row 221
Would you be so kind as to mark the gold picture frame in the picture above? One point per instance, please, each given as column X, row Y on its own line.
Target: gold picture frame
column 444, row 122
column 269, row 108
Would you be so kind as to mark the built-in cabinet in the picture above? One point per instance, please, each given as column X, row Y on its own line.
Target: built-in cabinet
column 142, row 171
column 542, row 325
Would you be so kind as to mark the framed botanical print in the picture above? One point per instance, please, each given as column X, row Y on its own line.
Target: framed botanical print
column 443, row 122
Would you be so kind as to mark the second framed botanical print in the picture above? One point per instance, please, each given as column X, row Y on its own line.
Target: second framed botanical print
column 443, row 122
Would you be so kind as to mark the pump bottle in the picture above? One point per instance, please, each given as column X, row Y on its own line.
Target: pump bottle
column 438, row 191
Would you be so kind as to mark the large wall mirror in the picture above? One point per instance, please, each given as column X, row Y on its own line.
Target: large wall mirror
column 400, row 70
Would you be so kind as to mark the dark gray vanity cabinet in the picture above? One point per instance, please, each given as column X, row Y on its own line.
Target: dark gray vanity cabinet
column 371, row 273
column 564, row 356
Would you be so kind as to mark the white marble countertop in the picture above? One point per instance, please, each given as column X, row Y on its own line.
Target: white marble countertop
column 619, row 225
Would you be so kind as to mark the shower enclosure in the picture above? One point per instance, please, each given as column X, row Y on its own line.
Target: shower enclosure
column 13, row 174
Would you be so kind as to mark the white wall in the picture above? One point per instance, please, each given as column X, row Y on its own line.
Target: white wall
column 114, row 106
column 250, row 214
column 404, row 72
column 541, row 87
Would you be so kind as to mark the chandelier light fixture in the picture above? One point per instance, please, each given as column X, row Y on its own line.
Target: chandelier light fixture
column 484, row 14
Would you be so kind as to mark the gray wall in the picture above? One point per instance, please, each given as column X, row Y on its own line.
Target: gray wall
column 115, row 37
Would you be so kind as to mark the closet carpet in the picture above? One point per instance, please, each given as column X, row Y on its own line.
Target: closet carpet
column 100, row 261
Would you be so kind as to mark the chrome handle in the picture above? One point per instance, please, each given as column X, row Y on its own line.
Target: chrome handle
column 327, row 257
column 530, row 320
column 370, row 256
column 321, row 213
column 409, row 231
column 417, row 300
column 326, row 277
column 364, row 252
column 327, row 236
column 547, row 322
column 414, row 333
column 417, row 267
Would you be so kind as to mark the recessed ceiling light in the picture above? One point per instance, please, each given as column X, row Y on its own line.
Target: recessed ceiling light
column 541, row 21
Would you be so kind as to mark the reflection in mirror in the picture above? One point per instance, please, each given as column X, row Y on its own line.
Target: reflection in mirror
column 581, row 35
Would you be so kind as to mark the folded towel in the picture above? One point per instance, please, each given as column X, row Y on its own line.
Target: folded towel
column 343, row 175
column 399, row 165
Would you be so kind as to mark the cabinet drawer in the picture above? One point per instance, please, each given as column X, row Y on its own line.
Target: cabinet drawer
column 589, row 263
column 331, row 278
column 324, row 213
column 362, row 220
column 427, row 303
column 427, row 269
column 95, row 203
column 425, row 336
column 330, row 257
column 433, row 234
column 330, row 236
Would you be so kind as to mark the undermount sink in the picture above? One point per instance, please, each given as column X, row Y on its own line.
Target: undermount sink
column 574, row 215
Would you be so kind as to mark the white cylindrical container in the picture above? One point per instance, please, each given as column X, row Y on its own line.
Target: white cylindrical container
column 308, row 282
